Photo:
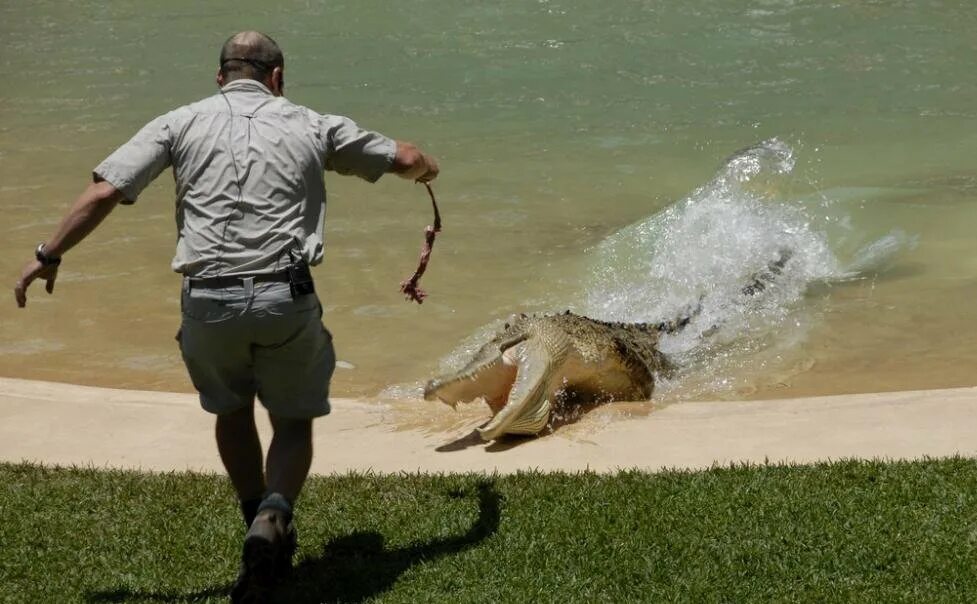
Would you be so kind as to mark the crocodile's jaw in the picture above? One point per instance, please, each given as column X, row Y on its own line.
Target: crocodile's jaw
column 526, row 408
column 491, row 381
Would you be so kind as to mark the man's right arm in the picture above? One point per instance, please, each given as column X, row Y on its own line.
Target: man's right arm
column 118, row 179
column 413, row 164
column 88, row 211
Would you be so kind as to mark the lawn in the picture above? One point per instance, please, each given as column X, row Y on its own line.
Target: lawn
column 840, row 532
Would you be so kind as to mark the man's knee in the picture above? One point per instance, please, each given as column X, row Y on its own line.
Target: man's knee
column 242, row 416
column 296, row 427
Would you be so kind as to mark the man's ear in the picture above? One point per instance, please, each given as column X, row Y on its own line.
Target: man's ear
column 278, row 81
column 220, row 79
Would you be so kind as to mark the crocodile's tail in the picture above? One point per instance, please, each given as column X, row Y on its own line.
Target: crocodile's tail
column 774, row 269
column 678, row 323
column 759, row 283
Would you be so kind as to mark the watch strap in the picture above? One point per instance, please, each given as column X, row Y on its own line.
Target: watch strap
column 43, row 258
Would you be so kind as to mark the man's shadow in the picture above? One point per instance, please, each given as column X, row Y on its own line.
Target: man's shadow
column 351, row 568
column 358, row 566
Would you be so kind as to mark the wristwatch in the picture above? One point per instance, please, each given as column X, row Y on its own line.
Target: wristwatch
column 43, row 258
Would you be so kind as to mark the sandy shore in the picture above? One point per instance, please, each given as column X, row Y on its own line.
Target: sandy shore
column 67, row 424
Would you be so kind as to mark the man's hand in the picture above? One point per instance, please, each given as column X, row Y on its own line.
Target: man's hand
column 34, row 270
column 431, row 169
column 413, row 164
column 91, row 207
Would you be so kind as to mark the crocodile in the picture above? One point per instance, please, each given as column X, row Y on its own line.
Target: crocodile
column 536, row 364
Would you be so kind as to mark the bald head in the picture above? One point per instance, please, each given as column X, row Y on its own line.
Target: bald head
column 250, row 54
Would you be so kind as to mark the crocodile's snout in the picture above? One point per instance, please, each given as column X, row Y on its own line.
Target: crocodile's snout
column 430, row 389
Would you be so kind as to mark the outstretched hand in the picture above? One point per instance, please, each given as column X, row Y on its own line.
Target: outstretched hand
column 34, row 270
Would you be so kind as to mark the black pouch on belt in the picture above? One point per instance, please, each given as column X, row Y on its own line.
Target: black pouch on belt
column 300, row 279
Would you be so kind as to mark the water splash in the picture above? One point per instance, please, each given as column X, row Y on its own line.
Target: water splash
column 709, row 244
column 700, row 253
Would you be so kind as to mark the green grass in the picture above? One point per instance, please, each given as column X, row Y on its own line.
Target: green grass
column 845, row 532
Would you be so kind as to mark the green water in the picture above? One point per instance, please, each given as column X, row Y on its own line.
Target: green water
column 557, row 124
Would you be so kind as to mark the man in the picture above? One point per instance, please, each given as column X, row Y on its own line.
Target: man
column 248, row 166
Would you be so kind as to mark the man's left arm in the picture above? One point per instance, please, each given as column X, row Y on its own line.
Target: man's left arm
column 88, row 211
column 349, row 149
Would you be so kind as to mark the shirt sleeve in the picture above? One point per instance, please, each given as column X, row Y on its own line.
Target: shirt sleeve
column 353, row 150
column 135, row 164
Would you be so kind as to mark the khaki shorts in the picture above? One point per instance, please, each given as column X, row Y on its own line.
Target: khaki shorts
column 268, row 345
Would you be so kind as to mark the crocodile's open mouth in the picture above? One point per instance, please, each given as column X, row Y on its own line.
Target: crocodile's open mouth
column 492, row 381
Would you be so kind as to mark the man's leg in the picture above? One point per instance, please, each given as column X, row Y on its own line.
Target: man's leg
column 240, row 450
column 293, row 360
column 270, row 542
column 289, row 456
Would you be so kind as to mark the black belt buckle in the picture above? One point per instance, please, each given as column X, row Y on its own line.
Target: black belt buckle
column 300, row 279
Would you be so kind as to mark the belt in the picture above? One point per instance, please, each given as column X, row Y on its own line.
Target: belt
column 219, row 282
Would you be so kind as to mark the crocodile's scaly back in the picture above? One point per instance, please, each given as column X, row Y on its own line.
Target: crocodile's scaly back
column 635, row 344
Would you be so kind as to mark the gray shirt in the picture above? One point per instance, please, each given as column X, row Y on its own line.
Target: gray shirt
column 249, row 169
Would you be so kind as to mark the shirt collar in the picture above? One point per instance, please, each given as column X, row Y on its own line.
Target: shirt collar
column 246, row 85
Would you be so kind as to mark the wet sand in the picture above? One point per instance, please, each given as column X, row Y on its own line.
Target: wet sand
column 65, row 424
